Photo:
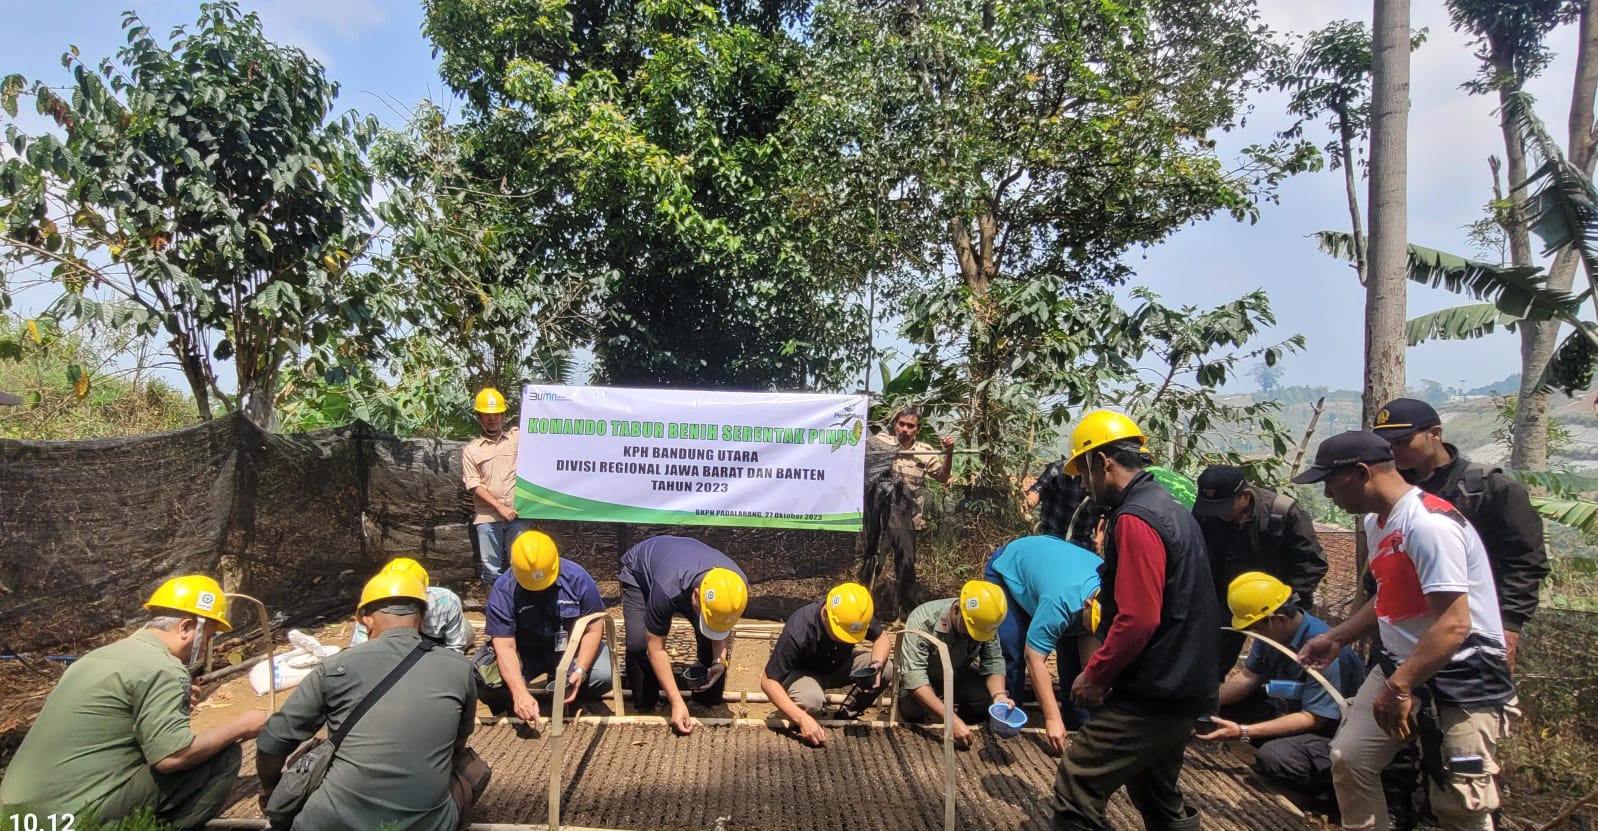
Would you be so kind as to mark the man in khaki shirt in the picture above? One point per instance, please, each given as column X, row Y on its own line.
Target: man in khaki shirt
column 917, row 461
column 488, row 470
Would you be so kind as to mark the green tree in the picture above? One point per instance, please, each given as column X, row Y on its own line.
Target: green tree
column 473, row 297
column 1511, row 40
column 206, row 182
column 1268, row 376
column 1185, row 356
column 1329, row 76
column 988, row 164
column 640, row 138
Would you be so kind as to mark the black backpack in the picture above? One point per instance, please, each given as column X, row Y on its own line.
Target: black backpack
column 1468, row 488
column 1276, row 523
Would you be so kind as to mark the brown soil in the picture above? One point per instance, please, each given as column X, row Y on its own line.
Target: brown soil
column 642, row 776
column 760, row 778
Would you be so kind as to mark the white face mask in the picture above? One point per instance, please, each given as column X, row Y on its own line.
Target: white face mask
column 199, row 645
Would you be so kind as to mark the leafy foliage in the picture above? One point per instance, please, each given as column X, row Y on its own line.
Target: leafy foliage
column 986, row 165
column 1458, row 323
column 1510, row 37
column 1194, row 353
column 1559, row 438
column 205, row 182
column 1518, row 291
column 1329, row 75
column 473, row 296
column 1576, row 512
column 640, row 139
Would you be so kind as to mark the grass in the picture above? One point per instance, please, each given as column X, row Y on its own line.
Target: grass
column 111, row 401
column 1551, row 756
column 958, row 539
column 1572, row 584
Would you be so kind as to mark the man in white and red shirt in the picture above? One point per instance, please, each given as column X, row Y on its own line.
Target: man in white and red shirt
column 1441, row 668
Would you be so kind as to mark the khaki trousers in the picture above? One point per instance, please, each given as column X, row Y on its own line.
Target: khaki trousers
column 810, row 691
column 1361, row 750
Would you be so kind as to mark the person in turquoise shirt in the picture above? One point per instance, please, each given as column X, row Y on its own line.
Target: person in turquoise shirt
column 1047, row 582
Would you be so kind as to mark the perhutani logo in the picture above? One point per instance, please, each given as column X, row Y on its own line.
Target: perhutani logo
column 710, row 594
column 1383, row 417
column 972, row 603
column 205, row 602
column 836, row 599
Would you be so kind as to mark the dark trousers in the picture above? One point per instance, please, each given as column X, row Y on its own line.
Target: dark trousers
column 188, row 798
column 1116, row 749
column 1301, row 765
column 641, row 678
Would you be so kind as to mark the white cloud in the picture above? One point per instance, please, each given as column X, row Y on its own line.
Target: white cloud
column 309, row 23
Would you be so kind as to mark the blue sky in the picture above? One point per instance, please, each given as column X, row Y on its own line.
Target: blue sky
column 376, row 51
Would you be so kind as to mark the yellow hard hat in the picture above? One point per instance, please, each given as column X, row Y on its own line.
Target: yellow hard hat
column 1254, row 595
column 392, row 584
column 1097, row 429
column 1092, row 612
column 489, row 401
column 722, row 598
column 982, row 607
column 406, row 565
column 849, row 609
column 193, row 594
column 535, row 561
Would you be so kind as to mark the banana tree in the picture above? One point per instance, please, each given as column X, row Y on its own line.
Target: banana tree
column 1563, row 213
column 1511, row 294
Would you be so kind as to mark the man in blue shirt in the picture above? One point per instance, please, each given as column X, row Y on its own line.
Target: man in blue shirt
column 663, row 577
column 529, row 619
column 1293, row 729
column 1046, row 582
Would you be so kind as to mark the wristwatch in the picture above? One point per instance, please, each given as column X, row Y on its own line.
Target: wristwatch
column 1242, row 730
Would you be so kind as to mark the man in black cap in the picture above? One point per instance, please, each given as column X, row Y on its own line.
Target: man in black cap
column 1498, row 506
column 1441, row 672
column 1250, row 528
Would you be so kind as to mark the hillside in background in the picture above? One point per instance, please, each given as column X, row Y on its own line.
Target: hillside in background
column 1470, row 420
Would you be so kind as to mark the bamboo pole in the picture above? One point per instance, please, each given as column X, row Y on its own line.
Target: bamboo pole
column 266, row 630
column 557, row 726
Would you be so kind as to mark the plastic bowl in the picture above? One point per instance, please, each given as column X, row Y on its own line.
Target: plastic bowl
column 863, row 677
column 694, row 675
column 1006, row 721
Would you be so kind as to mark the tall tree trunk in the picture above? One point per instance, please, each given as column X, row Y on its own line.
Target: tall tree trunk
column 195, row 372
column 978, row 262
column 258, row 386
column 1389, row 167
column 1529, row 448
column 1345, row 133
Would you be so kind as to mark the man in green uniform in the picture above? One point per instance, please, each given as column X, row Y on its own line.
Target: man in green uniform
column 394, row 767
column 969, row 626
column 114, row 736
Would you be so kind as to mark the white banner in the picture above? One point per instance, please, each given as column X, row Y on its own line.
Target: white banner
column 686, row 457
